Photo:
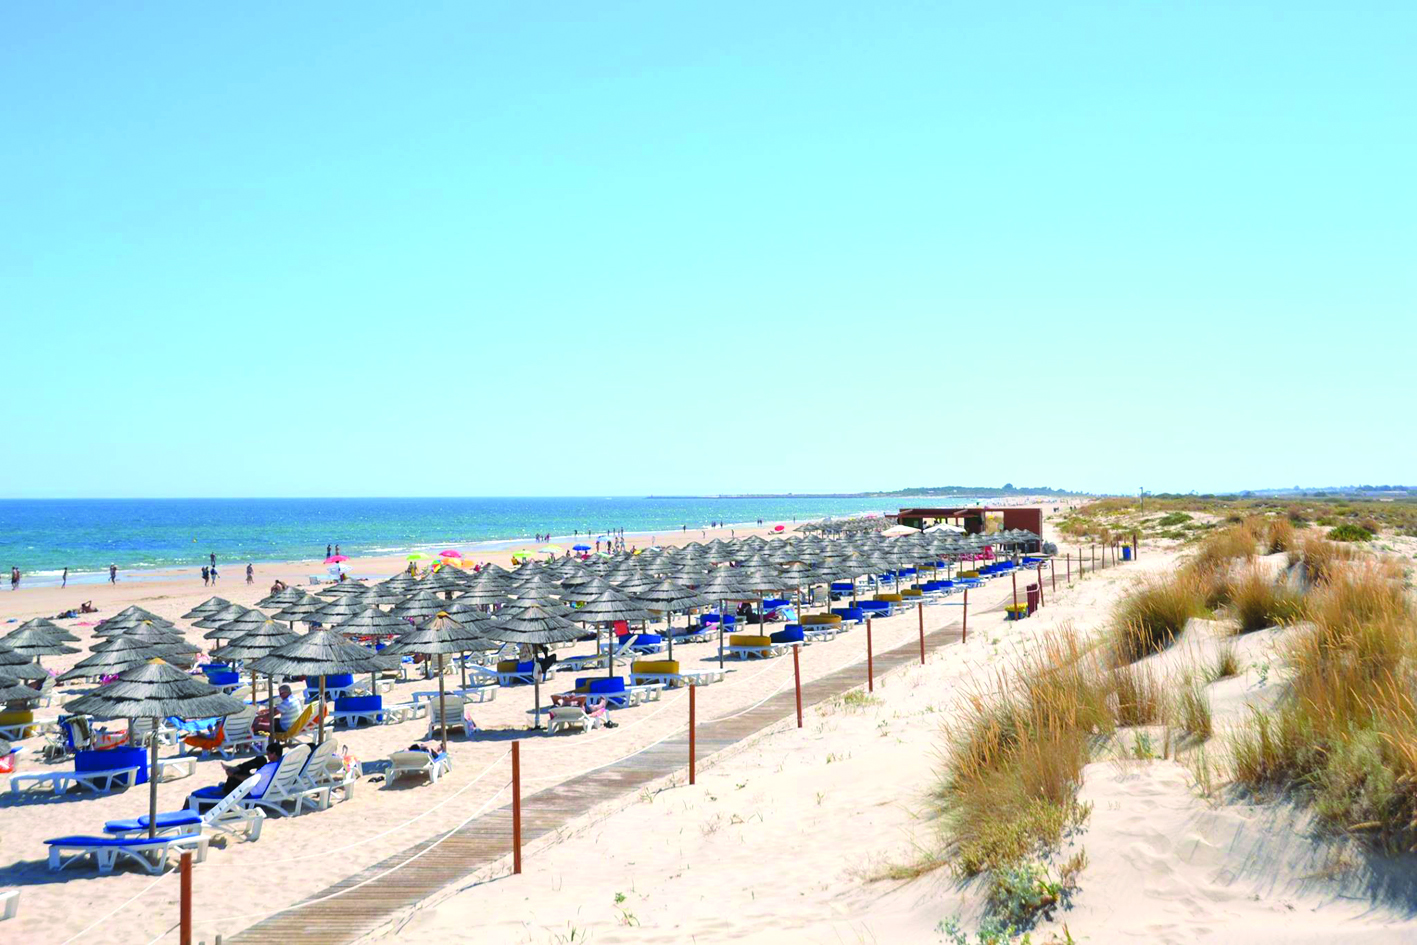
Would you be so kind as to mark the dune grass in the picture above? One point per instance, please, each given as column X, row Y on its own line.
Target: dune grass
column 1257, row 602
column 1280, row 535
column 1139, row 694
column 1013, row 765
column 1193, row 715
column 1227, row 663
column 1345, row 735
column 1149, row 620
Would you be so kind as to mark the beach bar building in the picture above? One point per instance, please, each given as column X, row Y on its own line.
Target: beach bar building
column 972, row 518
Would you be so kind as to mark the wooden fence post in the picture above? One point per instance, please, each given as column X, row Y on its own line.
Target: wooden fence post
column 516, row 807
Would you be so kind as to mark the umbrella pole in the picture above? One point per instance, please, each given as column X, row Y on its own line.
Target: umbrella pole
column 462, row 661
column 536, row 690
column 322, row 712
column 442, row 713
column 152, row 785
column 669, row 631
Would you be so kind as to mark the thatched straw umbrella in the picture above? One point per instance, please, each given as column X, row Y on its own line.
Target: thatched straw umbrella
column 438, row 636
column 321, row 653
column 299, row 610
column 45, row 624
column 607, row 607
column 534, row 625
column 670, row 598
column 155, row 691
column 36, row 642
column 210, row 606
column 118, row 655
column 722, row 585
column 19, row 666
column 255, row 643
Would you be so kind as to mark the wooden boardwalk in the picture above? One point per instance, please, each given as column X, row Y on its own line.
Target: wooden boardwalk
column 486, row 839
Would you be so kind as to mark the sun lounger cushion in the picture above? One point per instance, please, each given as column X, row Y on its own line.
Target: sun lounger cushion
column 332, row 681
column 647, row 639
column 178, row 818
column 889, row 598
column 512, row 666
column 874, row 606
column 601, row 685
column 843, row 587
column 748, row 639
column 655, row 667
column 224, row 679
column 112, row 759
column 849, row 613
column 792, row 633
column 18, row 716
column 810, row 620
column 359, row 704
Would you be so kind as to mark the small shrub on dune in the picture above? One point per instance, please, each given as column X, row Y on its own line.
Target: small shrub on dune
column 1258, row 603
column 1150, row 619
column 1221, row 549
column 1350, row 532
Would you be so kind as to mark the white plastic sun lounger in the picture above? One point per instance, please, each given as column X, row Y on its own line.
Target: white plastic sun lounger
column 152, row 855
column 60, row 781
column 9, row 903
column 226, row 817
column 418, row 762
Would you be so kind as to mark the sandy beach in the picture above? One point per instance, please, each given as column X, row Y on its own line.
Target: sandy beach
column 299, row 856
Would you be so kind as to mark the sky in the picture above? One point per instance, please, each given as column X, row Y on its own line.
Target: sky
column 486, row 248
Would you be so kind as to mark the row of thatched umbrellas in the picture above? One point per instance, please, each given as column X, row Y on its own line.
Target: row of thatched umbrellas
column 532, row 602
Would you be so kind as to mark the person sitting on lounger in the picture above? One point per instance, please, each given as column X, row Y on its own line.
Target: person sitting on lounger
column 286, row 710
column 235, row 774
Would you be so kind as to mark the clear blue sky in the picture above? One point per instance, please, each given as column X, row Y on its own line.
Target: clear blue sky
column 618, row 248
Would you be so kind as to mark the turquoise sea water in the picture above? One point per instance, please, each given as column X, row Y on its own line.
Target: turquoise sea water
column 45, row 535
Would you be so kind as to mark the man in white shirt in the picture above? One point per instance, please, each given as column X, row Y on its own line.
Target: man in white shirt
column 286, row 710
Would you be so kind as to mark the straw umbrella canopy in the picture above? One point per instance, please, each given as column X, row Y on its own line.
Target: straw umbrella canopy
column 210, row 606
column 259, row 641
column 173, row 643
column 36, row 642
column 341, row 609
column 278, row 599
column 219, row 618
column 583, row 591
column 722, row 585
column 535, row 626
column 341, row 588
column 607, row 607
column 115, row 656
column 671, row 598
column 19, row 666
column 120, row 625
column 48, row 626
column 299, row 610
column 12, row 691
column 370, row 621
column 155, row 691
column 320, row 653
column 234, row 628
column 438, row 636
column 418, row 607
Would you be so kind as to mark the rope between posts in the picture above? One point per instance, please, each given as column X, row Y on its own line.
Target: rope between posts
column 107, row 915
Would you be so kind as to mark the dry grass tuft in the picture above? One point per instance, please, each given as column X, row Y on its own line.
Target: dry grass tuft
column 1150, row 619
column 1346, row 733
column 1140, row 697
column 1193, row 714
column 1257, row 602
column 1281, row 535
column 1014, row 762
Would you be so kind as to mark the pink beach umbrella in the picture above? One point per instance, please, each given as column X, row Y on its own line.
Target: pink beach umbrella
column 450, row 553
column 335, row 559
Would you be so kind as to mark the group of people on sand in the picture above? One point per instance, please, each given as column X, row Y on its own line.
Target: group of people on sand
column 209, row 572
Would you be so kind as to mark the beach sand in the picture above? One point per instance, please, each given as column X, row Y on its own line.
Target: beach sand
column 296, row 857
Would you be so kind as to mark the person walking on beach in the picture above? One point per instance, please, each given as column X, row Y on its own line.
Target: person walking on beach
column 250, row 573
column 328, row 552
column 113, row 574
column 64, row 581
column 206, row 576
column 213, row 571
column 336, row 550
column 14, row 578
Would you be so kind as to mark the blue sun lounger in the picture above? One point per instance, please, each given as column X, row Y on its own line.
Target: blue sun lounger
column 152, row 855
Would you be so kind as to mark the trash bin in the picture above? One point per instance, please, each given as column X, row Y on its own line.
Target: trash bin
column 1126, row 552
column 1032, row 598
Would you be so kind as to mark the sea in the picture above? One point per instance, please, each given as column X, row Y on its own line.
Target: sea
column 43, row 536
